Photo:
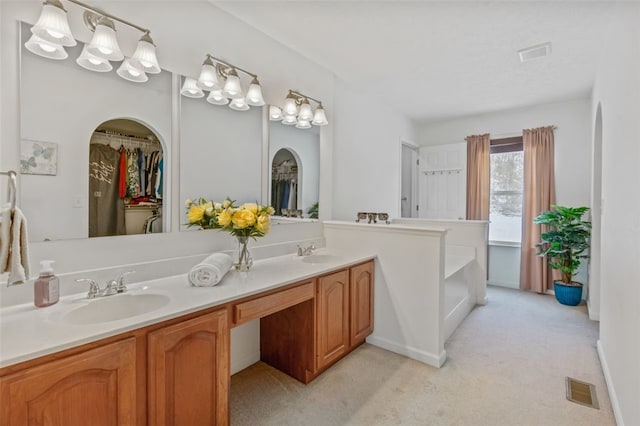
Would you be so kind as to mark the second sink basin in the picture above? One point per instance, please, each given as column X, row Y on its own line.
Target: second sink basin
column 112, row 308
column 320, row 258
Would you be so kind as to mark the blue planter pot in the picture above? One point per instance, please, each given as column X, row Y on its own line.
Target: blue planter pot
column 569, row 295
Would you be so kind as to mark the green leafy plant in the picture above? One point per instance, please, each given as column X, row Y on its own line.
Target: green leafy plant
column 566, row 239
column 313, row 211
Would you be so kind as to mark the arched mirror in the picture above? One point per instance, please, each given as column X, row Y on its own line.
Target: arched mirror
column 294, row 159
column 61, row 106
column 126, row 185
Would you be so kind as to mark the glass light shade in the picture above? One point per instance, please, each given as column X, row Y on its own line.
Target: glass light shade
column 53, row 26
column 144, row 58
column 217, row 98
column 93, row 63
column 208, row 79
column 305, row 114
column 303, row 124
column 320, row 118
column 45, row 49
column 104, row 43
column 232, row 88
column 275, row 113
column 239, row 104
column 190, row 89
column 290, row 120
column 254, row 94
column 131, row 73
column 290, row 107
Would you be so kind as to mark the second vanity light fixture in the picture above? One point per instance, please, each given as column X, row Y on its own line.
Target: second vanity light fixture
column 297, row 111
column 51, row 34
column 221, row 80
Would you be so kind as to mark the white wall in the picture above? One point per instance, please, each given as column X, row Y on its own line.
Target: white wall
column 366, row 154
column 617, row 90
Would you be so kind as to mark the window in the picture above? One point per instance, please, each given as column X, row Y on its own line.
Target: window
column 505, row 204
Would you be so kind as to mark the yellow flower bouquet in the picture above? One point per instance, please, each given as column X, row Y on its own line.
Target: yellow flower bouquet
column 248, row 220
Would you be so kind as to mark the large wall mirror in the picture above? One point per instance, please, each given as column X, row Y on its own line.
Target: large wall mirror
column 67, row 113
column 220, row 152
column 294, row 170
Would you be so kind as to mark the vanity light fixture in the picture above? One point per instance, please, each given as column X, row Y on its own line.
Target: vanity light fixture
column 131, row 73
column 275, row 113
column 217, row 98
column 42, row 47
column 93, row 63
column 190, row 88
column 53, row 27
column 222, row 81
column 296, row 110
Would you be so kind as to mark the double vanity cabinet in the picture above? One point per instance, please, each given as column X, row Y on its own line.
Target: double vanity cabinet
column 176, row 372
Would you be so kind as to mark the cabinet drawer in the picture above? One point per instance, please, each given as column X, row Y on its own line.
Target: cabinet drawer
column 266, row 305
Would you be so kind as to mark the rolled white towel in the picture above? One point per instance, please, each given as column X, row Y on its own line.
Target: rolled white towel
column 210, row 271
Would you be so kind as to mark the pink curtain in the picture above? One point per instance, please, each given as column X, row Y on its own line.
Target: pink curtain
column 478, row 175
column 539, row 195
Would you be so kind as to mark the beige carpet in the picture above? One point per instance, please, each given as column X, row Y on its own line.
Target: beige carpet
column 506, row 365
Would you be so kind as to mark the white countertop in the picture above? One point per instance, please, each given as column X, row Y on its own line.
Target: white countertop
column 27, row 332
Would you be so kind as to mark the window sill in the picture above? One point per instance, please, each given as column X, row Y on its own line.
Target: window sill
column 504, row 243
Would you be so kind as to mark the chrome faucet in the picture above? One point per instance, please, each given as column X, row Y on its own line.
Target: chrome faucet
column 112, row 287
column 306, row 251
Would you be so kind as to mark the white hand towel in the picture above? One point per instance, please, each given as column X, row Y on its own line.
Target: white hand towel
column 5, row 232
column 14, row 246
column 210, row 271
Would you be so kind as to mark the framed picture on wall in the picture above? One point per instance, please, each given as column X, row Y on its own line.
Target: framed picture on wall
column 38, row 158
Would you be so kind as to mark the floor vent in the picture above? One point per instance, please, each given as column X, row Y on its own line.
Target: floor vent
column 582, row 393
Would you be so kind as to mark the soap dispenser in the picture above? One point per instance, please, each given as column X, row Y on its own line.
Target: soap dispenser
column 46, row 290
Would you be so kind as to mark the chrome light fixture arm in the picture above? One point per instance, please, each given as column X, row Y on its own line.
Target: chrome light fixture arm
column 108, row 15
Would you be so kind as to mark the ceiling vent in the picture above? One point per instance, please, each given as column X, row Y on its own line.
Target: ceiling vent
column 535, row 52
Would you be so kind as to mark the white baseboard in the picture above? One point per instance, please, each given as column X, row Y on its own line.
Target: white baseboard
column 610, row 388
column 593, row 315
column 507, row 284
column 413, row 353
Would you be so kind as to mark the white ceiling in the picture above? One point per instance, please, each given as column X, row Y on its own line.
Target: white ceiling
column 436, row 60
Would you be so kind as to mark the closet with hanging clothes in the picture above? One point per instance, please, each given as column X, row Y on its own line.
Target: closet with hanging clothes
column 284, row 183
column 125, row 181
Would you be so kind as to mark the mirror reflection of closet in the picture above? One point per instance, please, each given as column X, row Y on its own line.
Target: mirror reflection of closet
column 294, row 159
column 126, row 169
column 285, row 184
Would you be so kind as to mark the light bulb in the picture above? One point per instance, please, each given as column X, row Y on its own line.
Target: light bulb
column 289, row 120
column 93, row 63
column 131, row 73
column 239, row 104
column 232, row 88
column 305, row 111
column 320, row 118
column 275, row 113
column 290, row 106
column 303, row 124
column 217, row 98
column 45, row 49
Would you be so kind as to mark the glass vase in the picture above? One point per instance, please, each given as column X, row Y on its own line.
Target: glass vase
column 242, row 260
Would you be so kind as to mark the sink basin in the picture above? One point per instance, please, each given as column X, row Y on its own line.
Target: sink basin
column 112, row 308
column 320, row 258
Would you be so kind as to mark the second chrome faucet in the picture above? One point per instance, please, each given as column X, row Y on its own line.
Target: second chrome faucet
column 113, row 287
column 306, row 251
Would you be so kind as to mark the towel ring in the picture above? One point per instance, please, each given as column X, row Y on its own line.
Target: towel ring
column 12, row 189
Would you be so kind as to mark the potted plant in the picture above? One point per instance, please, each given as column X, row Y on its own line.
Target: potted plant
column 564, row 244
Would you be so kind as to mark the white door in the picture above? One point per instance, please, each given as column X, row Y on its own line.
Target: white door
column 409, row 183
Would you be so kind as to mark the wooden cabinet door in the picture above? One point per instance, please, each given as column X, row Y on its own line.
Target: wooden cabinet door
column 188, row 372
column 96, row 387
column 361, row 301
column 333, row 317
